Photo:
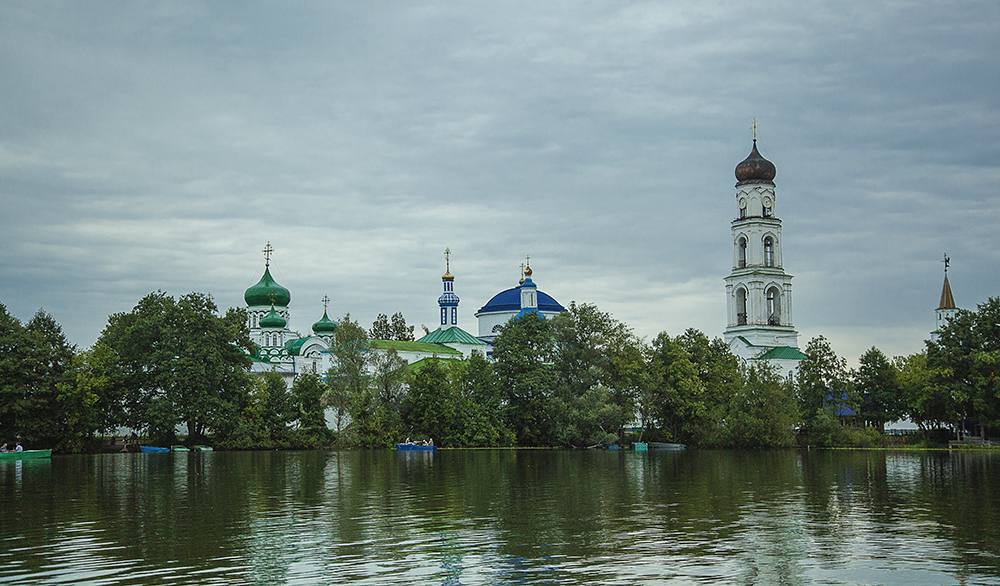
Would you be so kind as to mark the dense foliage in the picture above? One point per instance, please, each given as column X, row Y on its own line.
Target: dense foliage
column 577, row 380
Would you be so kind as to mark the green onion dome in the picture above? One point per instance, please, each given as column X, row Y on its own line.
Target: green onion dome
column 261, row 293
column 272, row 320
column 324, row 326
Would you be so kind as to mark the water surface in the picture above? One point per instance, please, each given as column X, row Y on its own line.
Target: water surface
column 502, row 517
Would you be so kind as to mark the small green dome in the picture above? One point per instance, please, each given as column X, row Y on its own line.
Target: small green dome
column 261, row 293
column 272, row 320
column 325, row 325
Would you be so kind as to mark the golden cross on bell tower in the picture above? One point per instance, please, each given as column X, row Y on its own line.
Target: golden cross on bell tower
column 447, row 260
column 326, row 301
column 754, row 128
column 267, row 254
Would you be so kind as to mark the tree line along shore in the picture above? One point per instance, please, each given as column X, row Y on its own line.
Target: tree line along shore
column 581, row 379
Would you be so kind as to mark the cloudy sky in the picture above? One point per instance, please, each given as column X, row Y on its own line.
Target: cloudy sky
column 161, row 145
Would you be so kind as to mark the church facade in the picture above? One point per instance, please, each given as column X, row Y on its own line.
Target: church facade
column 758, row 291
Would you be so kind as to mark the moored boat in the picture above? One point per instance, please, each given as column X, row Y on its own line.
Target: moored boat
column 153, row 450
column 415, row 448
column 26, row 455
column 200, row 448
column 180, row 448
column 640, row 446
column 664, row 446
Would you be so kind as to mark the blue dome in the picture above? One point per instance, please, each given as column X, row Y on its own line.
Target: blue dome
column 510, row 300
column 448, row 298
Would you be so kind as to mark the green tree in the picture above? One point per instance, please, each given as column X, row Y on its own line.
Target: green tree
column 482, row 401
column 876, row 382
column 596, row 356
column 307, row 391
column 966, row 361
column 401, row 331
column 277, row 406
column 928, row 403
column 92, row 398
column 182, row 364
column 35, row 362
column 431, row 408
column 677, row 408
column 762, row 413
column 383, row 329
column 523, row 352
column 380, row 330
column 822, row 380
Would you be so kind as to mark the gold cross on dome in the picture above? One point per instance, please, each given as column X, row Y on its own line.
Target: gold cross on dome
column 267, row 254
column 447, row 260
column 754, row 128
column 326, row 301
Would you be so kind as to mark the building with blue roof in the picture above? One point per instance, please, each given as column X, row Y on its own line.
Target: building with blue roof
column 510, row 303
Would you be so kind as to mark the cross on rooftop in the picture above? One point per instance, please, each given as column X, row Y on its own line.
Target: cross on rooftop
column 326, row 301
column 754, row 128
column 267, row 254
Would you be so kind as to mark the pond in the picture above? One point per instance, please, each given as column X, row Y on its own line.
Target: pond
column 502, row 517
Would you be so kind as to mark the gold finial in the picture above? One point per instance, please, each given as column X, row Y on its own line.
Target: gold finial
column 447, row 276
column 326, row 301
column 527, row 266
column 754, row 128
column 267, row 254
column 522, row 274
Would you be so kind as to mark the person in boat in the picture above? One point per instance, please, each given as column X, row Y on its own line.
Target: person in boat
column 17, row 447
column 3, row 448
column 430, row 441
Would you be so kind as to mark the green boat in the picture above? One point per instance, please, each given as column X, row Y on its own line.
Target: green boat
column 26, row 455
column 179, row 448
column 202, row 448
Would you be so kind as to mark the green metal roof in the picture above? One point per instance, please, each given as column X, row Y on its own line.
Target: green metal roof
column 412, row 347
column 453, row 335
column 782, row 353
column 423, row 362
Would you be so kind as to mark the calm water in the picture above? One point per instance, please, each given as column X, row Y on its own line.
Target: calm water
column 502, row 517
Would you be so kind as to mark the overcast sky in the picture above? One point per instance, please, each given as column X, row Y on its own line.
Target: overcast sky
column 161, row 145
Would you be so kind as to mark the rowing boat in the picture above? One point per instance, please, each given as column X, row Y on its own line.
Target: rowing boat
column 153, row 450
column 415, row 448
column 26, row 455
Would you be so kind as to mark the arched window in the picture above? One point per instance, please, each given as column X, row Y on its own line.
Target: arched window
column 742, row 261
column 773, row 307
column 768, row 251
column 741, row 307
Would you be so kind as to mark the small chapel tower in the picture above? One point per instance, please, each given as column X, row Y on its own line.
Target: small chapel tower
column 448, row 301
column 946, row 308
column 758, row 291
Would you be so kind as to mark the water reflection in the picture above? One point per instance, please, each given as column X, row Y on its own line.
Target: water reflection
column 502, row 517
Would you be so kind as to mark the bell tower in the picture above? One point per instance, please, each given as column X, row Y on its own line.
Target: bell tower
column 758, row 291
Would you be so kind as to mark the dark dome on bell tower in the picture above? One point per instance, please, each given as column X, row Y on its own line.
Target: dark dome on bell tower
column 755, row 168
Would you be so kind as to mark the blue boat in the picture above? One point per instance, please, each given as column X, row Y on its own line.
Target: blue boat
column 415, row 448
column 153, row 450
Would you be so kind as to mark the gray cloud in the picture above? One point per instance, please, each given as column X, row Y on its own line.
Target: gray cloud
column 159, row 146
